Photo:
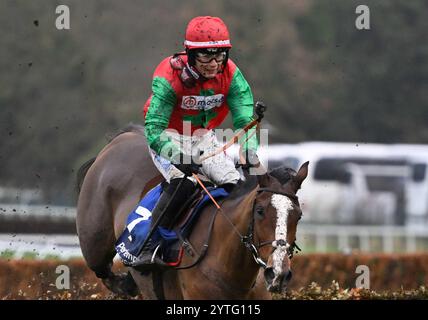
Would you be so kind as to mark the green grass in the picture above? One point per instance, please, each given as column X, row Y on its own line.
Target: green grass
column 7, row 254
column 52, row 257
column 29, row 255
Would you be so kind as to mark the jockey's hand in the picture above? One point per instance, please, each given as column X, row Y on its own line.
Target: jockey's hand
column 186, row 168
column 251, row 159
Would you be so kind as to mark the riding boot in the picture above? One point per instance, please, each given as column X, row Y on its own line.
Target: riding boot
column 167, row 213
column 187, row 188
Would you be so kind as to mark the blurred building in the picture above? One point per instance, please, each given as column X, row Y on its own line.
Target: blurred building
column 350, row 183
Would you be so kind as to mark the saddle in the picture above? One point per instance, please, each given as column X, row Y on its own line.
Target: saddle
column 171, row 252
column 168, row 246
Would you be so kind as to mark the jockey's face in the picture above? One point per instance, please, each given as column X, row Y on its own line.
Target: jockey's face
column 209, row 64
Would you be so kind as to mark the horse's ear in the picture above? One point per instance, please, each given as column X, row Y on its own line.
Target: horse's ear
column 301, row 175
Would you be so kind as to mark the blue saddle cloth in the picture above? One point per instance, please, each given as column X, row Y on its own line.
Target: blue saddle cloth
column 139, row 220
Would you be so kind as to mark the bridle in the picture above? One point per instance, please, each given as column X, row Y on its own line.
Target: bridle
column 248, row 239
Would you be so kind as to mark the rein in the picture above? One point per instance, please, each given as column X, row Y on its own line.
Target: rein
column 248, row 239
column 260, row 109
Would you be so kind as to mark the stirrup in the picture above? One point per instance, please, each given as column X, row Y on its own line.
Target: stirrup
column 150, row 262
column 147, row 257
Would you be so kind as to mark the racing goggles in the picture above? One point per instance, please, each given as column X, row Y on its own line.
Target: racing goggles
column 208, row 55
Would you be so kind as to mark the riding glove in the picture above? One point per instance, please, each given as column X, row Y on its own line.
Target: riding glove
column 251, row 159
column 186, row 168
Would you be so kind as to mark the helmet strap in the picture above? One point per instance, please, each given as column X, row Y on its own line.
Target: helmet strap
column 191, row 57
column 190, row 76
column 225, row 61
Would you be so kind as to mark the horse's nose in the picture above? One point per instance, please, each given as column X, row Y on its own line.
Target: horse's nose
column 277, row 283
column 269, row 276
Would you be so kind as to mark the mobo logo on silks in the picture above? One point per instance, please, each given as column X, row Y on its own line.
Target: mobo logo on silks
column 202, row 102
column 189, row 102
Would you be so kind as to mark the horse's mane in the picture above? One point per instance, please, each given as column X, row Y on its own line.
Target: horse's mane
column 244, row 187
column 283, row 174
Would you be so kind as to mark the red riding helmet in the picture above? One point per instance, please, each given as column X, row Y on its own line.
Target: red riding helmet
column 207, row 32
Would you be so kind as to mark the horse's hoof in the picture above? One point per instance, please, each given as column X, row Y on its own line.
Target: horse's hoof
column 122, row 284
column 129, row 286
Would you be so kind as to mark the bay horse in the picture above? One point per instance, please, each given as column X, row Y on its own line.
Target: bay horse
column 255, row 227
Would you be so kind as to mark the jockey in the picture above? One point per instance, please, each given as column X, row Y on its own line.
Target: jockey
column 192, row 93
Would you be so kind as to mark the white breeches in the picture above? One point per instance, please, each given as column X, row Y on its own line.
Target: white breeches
column 219, row 169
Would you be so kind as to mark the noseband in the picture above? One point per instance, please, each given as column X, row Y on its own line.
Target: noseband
column 248, row 240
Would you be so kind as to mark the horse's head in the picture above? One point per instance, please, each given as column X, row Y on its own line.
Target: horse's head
column 276, row 214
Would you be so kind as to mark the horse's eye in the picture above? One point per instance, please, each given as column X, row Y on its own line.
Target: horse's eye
column 260, row 211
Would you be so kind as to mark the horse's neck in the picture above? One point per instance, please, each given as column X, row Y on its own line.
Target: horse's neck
column 231, row 254
column 240, row 211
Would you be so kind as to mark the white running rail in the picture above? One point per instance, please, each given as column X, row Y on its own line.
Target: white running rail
column 347, row 238
column 39, row 246
column 20, row 211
